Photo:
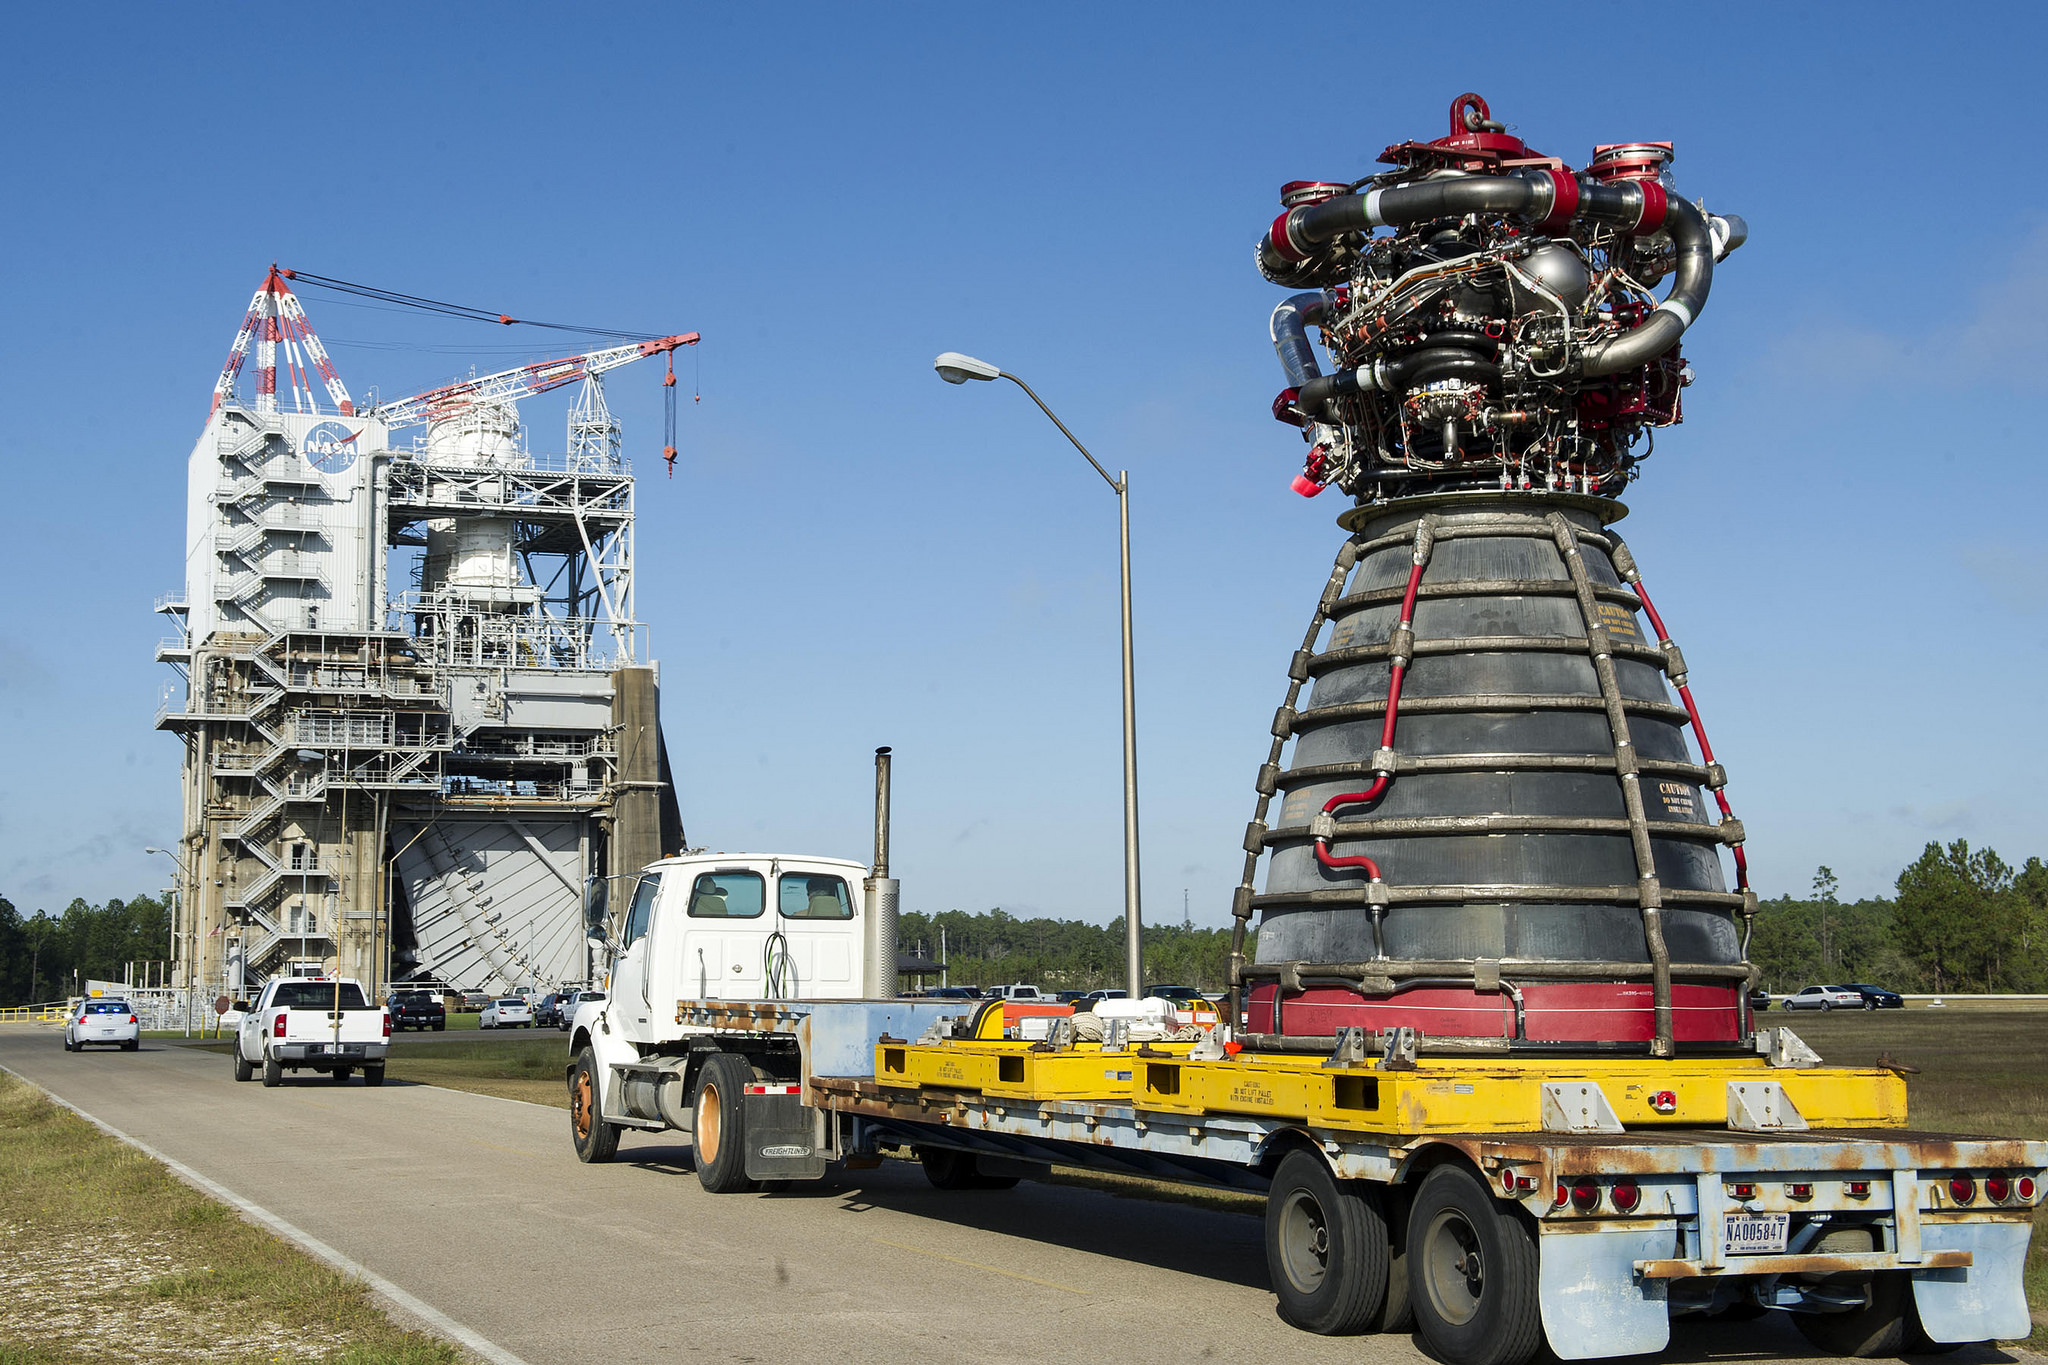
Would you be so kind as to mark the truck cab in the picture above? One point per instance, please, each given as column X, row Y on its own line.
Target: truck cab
column 736, row 926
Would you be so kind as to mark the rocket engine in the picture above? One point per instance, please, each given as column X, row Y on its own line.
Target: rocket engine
column 1491, row 829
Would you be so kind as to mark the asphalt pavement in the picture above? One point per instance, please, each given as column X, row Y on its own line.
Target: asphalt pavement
column 478, row 1207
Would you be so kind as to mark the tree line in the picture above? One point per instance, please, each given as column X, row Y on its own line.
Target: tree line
column 995, row 948
column 1961, row 919
column 48, row 957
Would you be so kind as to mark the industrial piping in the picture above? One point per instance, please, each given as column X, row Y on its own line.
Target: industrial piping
column 1544, row 199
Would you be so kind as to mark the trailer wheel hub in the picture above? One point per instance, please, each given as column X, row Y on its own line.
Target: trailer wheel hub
column 1304, row 1241
column 1453, row 1269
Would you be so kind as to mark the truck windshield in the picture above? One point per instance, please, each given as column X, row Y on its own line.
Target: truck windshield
column 313, row 995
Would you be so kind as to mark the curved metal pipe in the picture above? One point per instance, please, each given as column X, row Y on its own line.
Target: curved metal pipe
column 1660, row 331
column 1291, row 321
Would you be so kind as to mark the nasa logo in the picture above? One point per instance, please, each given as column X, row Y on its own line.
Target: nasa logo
column 329, row 447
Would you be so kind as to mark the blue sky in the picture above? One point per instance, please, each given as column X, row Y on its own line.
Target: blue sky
column 1844, row 535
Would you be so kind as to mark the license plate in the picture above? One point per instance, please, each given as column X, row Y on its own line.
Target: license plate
column 1756, row 1234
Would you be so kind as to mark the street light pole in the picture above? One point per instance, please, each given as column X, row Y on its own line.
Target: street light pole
column 956, row 368
column 178, row 921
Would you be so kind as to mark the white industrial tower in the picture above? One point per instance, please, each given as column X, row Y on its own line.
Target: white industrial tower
column 425, row 778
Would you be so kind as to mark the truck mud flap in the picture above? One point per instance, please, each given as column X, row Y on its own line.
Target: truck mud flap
column 1593, row 1303
column 781, row 1133
column 1983, row 1301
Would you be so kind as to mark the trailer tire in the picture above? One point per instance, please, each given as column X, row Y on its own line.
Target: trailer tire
column 595, row 1139
column 1918, row 1343
column 1326, row 1248
column 273, row 1072
column 718, row 1127
column 1879, row 1328
column 948, row 1168
column 1472, row 1273
column 243, row 1071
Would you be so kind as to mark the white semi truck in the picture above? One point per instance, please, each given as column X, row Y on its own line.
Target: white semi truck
column 1489, row 1202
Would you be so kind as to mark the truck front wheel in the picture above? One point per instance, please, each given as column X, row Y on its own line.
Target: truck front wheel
column 1471, row 1273
column 595, row 1139
column 719, row 1129
column 273, row 1072
column 1326, row 1249
column 243, row 1071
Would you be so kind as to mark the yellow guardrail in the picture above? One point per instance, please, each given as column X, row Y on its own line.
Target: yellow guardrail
column 34, row 1014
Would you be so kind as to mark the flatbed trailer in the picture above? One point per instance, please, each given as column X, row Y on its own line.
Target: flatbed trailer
column 1490, row 1201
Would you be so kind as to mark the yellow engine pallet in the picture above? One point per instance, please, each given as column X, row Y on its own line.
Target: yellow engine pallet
column 1440, row 1095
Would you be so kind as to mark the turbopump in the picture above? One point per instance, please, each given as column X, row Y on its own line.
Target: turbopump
column 1492, row 834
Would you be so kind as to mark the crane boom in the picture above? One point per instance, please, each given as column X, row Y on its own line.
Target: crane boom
column 523, row 382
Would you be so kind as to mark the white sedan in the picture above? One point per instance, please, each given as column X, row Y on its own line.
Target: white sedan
column 1825, row 998
column 102, row 1022
column 510, row 1012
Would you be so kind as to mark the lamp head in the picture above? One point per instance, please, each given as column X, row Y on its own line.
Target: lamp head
column 152, row 850
column 956, row 368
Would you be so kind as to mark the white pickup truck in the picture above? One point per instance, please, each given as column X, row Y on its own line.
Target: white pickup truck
column 316, row 1024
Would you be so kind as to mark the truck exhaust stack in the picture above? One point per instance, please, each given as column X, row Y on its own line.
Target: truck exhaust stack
column 879, row 979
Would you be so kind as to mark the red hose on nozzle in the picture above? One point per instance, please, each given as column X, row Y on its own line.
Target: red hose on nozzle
column 1699, row 729
column 1381, row 782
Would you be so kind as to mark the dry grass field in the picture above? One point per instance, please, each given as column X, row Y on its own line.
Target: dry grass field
column 110, row 1258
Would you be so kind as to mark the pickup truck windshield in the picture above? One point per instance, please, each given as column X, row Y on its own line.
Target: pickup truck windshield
column 313, row 995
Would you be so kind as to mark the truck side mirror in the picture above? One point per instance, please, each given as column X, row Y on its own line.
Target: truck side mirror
column 242, row 1005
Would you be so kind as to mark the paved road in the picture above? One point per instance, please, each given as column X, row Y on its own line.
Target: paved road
column 633, row 1261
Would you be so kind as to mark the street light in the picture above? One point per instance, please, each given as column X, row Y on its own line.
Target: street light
column 178, row 922
column 956, row 368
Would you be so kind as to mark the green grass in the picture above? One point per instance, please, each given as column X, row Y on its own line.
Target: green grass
column 112, row 1259
column 529, row 1069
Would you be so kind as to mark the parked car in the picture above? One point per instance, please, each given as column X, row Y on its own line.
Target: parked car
column 418, row 1009
column 1190, row 1006
column 1825, row 998
column 1019, row 991
column 952, row 993
column 547, row 1011
column 1877, row 997
column 1093, row 996
column 102, row 1022
column 1070, row 997
column 1188, row 993
column 1759, row 1000
column 476, row 1000
column 576, row 1001
column 510, row 1012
